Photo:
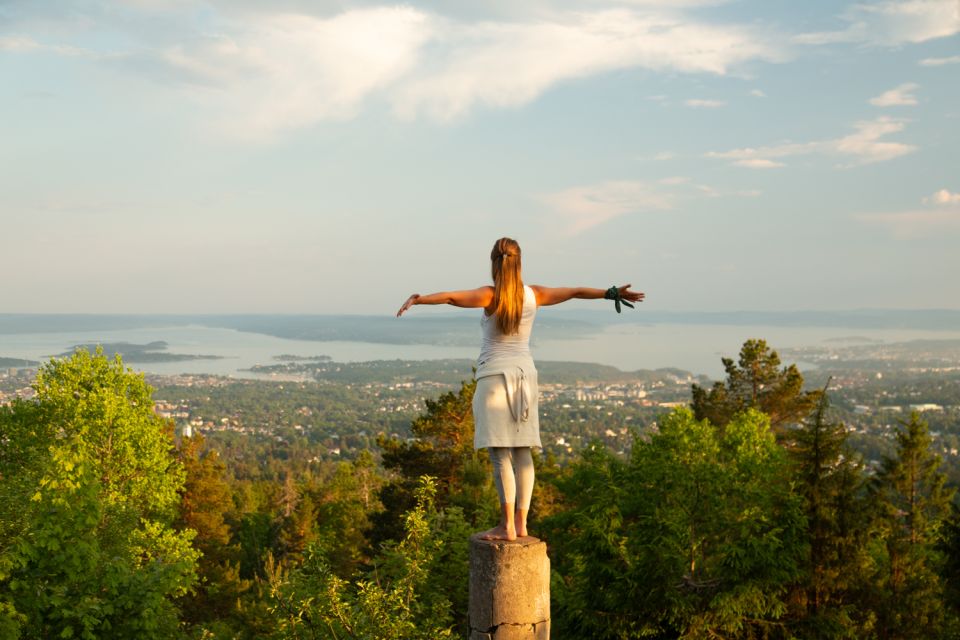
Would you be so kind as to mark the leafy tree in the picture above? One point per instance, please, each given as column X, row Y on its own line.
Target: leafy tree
column 913, row 504
column 441, row 447
column 89, row 471
column 756, row 381
column 831, row 480
column 312, row 602
column 343, row 507
column 696, row 536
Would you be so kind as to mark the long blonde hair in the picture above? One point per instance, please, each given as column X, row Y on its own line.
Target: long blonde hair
column 507, row 285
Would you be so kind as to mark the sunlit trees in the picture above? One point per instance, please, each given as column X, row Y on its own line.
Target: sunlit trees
column 395, row 601
column 755, row 381
column 441, row 447
column 91, row 486
column 204, row 504
column 831, row 480
column 695, row 536
column 913, row 505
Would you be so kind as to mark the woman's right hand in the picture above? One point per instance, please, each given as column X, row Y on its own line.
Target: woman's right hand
column 412, row 300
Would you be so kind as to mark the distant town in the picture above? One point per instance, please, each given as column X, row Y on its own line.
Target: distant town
column 341, row 408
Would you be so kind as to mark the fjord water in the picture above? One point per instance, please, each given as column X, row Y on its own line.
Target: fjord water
column 694, row 348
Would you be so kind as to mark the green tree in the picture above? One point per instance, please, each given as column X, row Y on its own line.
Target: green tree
column 344, row 504
column 950, row 548
column 831, row 479
column 913, row 505
column 205, row 503
column 756, row 381
column 88, row 469
column 312, row 602
column 696, row 536
column 441, row 447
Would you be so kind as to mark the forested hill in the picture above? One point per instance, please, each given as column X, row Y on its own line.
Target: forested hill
column 446, row 328
column 743, row 514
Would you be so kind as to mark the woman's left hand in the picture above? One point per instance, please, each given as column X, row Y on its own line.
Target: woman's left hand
column 632, row 296
column 412, row 300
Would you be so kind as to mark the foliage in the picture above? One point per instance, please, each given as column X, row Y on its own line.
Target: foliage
column 205, row 500
column 696, row 535
column 831, row 481
column 312, row 602
column 441, row 447
column 755, row 381
column 89, row 473
column 342, row 508
column 703, row 530
column 912, row 505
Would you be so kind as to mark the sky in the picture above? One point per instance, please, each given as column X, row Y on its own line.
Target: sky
column 235, row 156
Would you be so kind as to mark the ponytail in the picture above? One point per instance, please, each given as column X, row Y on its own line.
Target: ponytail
column 507, row 285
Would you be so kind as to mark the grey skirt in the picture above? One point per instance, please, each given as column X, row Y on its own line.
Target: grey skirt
column 494, row 425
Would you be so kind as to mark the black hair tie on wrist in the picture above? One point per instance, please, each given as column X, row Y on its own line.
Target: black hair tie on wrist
column 613, row 293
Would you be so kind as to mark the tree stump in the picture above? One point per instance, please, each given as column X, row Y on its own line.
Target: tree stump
column 509, row 589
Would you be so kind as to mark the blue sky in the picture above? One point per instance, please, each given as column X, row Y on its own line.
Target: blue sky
column 333, row 157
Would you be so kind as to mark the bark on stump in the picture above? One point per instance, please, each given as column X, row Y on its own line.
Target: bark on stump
column 509, row 589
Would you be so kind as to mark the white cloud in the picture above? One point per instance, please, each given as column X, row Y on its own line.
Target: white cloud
column 587, row 206
column 583, row 207
column 758, row 163
column 896, row 97
column 892, row 22
column 943, row 197
column 907, row 224
column 941, row 214
column 757, row 93
column 258, row 70
column 673, row 4
column 939, row 62
column 290, row 71
column 26, row 44
column 510, row 64
column 18, row 43
column 864, row 146
column 705, row 104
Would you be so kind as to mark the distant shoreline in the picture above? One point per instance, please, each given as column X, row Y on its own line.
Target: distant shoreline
column 239, row 343
column 458, row 328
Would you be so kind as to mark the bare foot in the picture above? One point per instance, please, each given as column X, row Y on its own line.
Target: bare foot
column 521, row 521
column 499, row 533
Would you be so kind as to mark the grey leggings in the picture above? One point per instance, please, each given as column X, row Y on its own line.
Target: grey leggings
column 513, row 474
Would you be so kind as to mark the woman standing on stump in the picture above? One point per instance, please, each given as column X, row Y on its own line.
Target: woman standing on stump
column 505, row 415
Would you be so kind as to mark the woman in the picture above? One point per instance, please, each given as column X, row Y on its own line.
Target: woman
column 505, row 402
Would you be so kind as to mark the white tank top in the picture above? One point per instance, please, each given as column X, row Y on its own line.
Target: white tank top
column 496, row 345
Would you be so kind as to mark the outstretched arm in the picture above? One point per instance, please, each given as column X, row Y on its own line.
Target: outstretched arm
column 470, row 298
column 555, row 295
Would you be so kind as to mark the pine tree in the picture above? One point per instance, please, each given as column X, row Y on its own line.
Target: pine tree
column 442, row 448
column 755, row 381
column 913, row 504
column 831, row 480
column 205, row 505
